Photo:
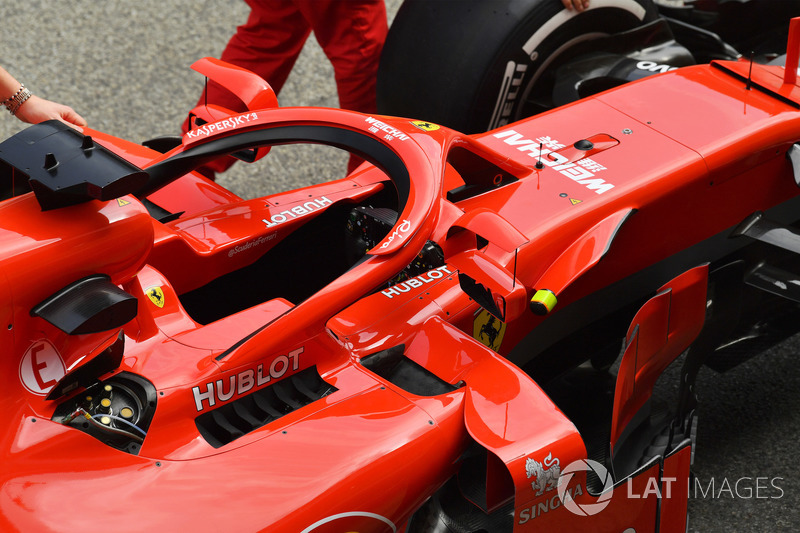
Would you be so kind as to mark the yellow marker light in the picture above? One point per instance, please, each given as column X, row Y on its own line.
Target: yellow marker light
column 105, row 402
column 126, row 412
column 543, row 302
column 107, row 388
column 105, row 420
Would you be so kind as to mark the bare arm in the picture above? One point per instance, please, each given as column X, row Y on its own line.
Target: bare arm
column 35, row 109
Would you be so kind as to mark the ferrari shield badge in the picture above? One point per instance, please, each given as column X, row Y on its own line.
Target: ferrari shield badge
column 156, row 295
column 488, row 330
column 425, row 126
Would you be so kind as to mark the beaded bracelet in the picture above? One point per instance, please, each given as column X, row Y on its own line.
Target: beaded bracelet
column 22, row 86
column 14, row 102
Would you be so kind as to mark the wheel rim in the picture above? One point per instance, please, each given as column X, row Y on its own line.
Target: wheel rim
column 538, row 97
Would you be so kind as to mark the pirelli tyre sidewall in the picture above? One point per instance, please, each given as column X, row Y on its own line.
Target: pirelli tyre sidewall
column 471, row 64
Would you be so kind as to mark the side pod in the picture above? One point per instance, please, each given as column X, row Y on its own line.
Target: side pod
column 505, row 412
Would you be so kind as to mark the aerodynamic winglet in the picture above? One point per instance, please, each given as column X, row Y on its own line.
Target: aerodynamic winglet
column 580, row 256
column 249, row 87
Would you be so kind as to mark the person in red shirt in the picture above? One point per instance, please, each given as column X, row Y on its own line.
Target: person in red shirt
column 350, row 32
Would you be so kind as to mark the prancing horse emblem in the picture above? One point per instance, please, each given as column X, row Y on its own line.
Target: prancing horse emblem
column 156, row 295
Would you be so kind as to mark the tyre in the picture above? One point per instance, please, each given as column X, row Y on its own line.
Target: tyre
column 475, row 65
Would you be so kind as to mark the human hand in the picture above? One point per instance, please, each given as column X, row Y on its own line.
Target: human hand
column 578, row 5
column 35, row 110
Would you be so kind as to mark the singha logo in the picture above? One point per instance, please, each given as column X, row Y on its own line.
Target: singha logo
column 546, row 476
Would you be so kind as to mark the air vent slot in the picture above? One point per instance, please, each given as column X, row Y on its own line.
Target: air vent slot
column 393, row 366
column 233, row 420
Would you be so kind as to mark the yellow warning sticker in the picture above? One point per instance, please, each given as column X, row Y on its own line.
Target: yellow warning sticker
column 574, row 201
column 122, row 202
column 156, row 295
column 425, row 126
column 488, row 330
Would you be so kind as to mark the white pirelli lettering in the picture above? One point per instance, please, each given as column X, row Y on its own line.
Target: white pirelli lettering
column 510, row 88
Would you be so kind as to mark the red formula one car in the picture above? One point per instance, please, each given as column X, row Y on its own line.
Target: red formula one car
column 423, row 345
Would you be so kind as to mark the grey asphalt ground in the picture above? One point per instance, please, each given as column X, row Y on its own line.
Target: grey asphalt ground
column 125, row 67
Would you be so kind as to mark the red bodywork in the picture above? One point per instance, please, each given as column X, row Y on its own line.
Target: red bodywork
column 677, row 161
